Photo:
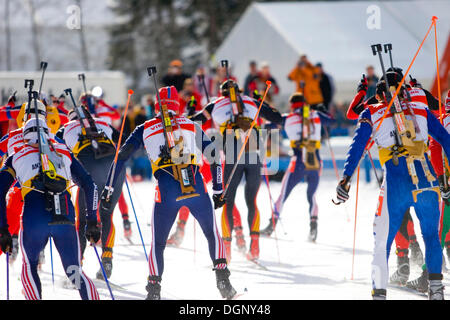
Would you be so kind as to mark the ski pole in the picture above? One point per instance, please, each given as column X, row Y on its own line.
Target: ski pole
column 133, row 192
column 224, row 64
column 356, row 215
column 441, row 115
column 388, row 49
column 7, row 275
column 43, row 67
column 103, row 271
column 82, row 77
column 336, row 171
column 130, row 92
column 380, row 182
column 247, row 136
column 195, row 242
column 136, row 218
column 201, row 78
column 51, row 262
column 272, row 207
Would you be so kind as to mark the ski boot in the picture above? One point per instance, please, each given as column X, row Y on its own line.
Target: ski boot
column 253, row 253
column 227, row 244
column 41, row 259
column 240, row 241
column 177, row 237
column 223, row 283
column 153, row 288
column 436, row 291
column 401, row 275
column 379, row 294
column 15, row 248
column 270, row 227
column 420, row 284
column 313, row 229
column 415, row 253
column 107, row 265
column 127, row 233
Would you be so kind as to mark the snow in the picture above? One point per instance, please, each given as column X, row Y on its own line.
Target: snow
column 300, row 270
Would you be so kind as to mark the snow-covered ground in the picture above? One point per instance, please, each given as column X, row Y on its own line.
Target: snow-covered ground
column 297, row 269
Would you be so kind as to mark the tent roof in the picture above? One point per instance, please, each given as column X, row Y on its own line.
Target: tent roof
column 336, row 34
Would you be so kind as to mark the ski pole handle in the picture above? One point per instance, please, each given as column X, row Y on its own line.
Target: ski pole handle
column 152, row 73
column 43, row 67
column 224, row 64
column 82, row 77
column 68, row 92
column 388, row 49
column 376, row 48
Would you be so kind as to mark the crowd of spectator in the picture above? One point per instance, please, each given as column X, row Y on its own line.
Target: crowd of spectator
column 310, row 79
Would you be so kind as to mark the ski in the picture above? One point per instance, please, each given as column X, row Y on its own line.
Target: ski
column 410, row 290
column 238, row 295
column 113, row 285
column 259, row 264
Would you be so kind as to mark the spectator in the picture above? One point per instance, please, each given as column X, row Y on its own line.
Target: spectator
column 259, row 82
column 307, row 75
column 185, row 96
column 149, row 105
column 140, row 116
column 250, row 77
column 221, row 76
column 201, row 70
column 372, row 80
column 175, row 75
column 326, row 86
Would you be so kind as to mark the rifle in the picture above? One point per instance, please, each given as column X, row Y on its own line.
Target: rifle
column 47, row 180
column 236, row 105
column 89, row 132
column 172, row 151
column 405, row 131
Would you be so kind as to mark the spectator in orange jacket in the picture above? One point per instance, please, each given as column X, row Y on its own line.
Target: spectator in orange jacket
column 305, row 73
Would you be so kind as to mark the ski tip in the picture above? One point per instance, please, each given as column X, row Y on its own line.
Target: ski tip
column 434, row 18
column 269, row 83
column 130, row 92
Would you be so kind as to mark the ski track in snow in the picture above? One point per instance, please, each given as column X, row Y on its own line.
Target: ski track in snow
column 306, row 270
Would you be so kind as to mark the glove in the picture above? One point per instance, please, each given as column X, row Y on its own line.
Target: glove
column 362, row 86
column 191, row 107
column 218, row 201
column 105, row 198
column 5, row 240
column 342, row 190
column 319, row 107
column 445, row 191
column 256, row 95
column 93, row 231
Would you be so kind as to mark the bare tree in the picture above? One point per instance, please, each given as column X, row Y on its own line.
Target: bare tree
column 84, row 52
column 35, row 33
column 8, row 37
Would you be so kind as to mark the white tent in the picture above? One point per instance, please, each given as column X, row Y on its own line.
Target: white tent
column 337, row 35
